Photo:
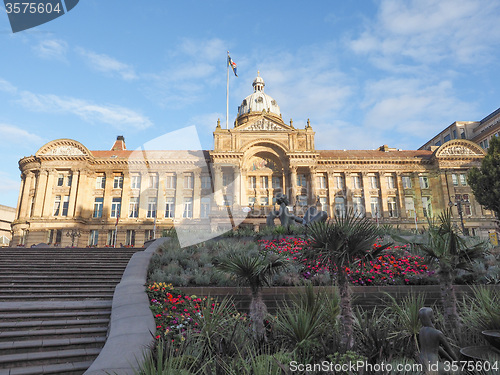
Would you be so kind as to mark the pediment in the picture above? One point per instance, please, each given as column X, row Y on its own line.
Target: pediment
column 63, row 147
column 459, row 148
column 264, row 124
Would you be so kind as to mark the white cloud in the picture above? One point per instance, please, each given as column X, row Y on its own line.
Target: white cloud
column 430, row 31
column 51, row 49
column 8, row 185
column 7, row 87
column 11, row 134
column 107, row 64
column 117, row 116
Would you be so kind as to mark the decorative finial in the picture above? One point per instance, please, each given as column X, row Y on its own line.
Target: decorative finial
column 291, row 123
column 258, row 73
column 308, row 123
column 218, row 123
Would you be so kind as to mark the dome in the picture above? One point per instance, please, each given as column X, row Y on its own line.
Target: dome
column 258, row 100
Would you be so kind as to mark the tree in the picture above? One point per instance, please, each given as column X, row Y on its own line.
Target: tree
column 450, row 252
column 338, row 244
column 485, row 182
column 256, row 271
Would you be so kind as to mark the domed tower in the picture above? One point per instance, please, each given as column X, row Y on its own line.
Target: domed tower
column 257, row 104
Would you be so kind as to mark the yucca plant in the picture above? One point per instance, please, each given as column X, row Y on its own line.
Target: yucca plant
column 449, row 251
column 255, row 270
column 481, row 310
column 338, row 244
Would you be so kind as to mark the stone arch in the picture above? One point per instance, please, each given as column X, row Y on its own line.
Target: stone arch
column 459, row 148
column 269, row 150
column 64, row 147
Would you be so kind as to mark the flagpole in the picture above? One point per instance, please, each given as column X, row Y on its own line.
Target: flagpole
column 227, row 91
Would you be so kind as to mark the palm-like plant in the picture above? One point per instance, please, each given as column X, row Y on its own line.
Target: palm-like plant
column 444, row 246
column 338, row 244
column 256, row 271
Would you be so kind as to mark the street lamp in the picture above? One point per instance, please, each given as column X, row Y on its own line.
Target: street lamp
column 73, row 233
column 459, row 203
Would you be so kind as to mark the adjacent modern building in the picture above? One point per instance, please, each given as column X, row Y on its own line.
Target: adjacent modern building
column 126, row 197
column 7, row 216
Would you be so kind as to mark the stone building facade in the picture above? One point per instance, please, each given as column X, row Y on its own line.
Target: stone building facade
column 126, row 197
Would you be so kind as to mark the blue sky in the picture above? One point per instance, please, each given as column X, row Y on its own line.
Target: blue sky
column 366, row 73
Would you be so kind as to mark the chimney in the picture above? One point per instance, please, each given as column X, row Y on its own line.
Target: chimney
column 119, row 144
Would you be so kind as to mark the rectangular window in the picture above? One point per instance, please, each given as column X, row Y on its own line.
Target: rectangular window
column 148, row 235
column 339, row 206
column 98, row 203
column 206, row 183
column 338, row 182
column 356, row 182
column 390, row 182
column 424, row 182
column 438, row 143
column 170, row 181
column 189, row 181
column 264, row 182
column 130, row 239
column 302, row 200
column 135, row 182
column 358, row 207
column 454, row 179
column 252, row 182
column 463, row 179
column 133, row 208
column 94, row 237
column 322, row 182
column 373, row 182
column 65, row 206
column 205, row 207
column 375, row 207
column 115, row 207
column 228, row 200
column 153, row 181
column 392, row 206
column 151, row 207
column 427, row 207
column 324, row 204
column 60, row 179
column 100, row 182
column 57, row 205
column 301, row 180
column 486, row 143
column 170, row 208
column 227, row 178
column 118, row 182
column 276, row 181
column 454, row 134
column 466, row 205
column 410, row 206
column 188, row 208
column 69, row 180
column 264, row 201
column 251, row 201
column 447, row 137
column 111, row 237
column 406, row 182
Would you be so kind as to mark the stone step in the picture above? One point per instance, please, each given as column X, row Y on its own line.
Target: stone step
column 68, row 368
column 51, row 283
column 10, row 361
column 43, row 306
column 39, row 345
column 34, row 288
column 49, row 324
column 56, row 297
column 53, row 315
column 74, row 332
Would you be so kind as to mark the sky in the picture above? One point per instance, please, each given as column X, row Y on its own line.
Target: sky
column 366, row 73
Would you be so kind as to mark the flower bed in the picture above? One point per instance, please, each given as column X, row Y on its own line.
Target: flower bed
column 397, row 266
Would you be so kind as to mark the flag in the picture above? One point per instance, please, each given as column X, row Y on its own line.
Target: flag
column 232, row 64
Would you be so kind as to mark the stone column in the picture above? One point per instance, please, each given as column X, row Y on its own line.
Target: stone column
column 400, row 196
column 237, row 186
column 73, row 191
column 348, row 191
column 41, row 185
column 218, row 195
column 28, row 178
column 125, row 196
column 143, row 199
column 179, row 195
column 196, row 194
column 293, row 184
column 418, row 196
column 84, row 204
column 244, row 187
column 314, row 190
column 48, row 201
column 108, row 188
column 331, row 193
column 383, row 195
column 366, row 195
column 160, row 201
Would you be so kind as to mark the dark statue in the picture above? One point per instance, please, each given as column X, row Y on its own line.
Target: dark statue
column 287, row 218
column 434, row 348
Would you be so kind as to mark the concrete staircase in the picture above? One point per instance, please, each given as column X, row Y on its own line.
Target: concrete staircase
column 55, row 305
